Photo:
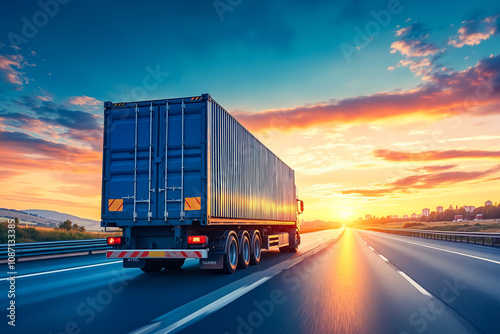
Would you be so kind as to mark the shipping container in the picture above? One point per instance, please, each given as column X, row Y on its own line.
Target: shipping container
column 174, row 165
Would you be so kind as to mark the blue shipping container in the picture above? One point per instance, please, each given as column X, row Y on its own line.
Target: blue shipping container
column 185, row 160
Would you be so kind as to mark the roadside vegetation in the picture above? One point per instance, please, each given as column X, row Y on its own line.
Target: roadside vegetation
column 65, row 231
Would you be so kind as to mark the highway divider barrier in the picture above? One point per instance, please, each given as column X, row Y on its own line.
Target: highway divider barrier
column 481, row 238
column 36, row 249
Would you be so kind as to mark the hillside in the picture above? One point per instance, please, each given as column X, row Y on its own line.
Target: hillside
column 25, row 217
column 60, row 217
column 48, row 218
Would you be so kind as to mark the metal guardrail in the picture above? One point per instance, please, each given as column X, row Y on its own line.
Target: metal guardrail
column 482, row 238
column 30, row 249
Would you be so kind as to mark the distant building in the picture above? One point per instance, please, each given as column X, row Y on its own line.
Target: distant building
column 413, row 215
column 458, row 218
column 368, row 217
column 479, row 217
column 488, row 203
column 469, row 208
column 396, row 216
column 405, row 217
column 426, row 212
column 439, row 209
column 451, row 207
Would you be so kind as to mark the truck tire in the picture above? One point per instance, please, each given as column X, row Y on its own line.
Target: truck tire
column 152, row 266
column 173, row 263
column 231, row 256
column 244, row 256
column 255, row 249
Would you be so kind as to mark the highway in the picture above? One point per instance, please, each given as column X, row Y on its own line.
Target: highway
column 351, row 282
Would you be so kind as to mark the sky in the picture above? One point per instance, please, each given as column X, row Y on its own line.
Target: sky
column 380, row 107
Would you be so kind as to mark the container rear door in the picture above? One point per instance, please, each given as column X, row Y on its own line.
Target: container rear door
column 154, row 158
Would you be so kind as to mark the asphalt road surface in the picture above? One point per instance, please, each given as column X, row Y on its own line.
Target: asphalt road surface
column 350, row 282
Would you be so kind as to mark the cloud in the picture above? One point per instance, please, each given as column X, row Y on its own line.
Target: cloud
column 443, row 94
column 10, row 69
column 434, row 155
column 55, row 114
column 413, row 45
column 84, row 101
column 434, row 168
column 414, row 183
column 474, row 31
column 413, row 48
column 19, row 145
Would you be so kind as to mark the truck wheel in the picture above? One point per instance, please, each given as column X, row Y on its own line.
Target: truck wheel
column 173, row 263
column 295, row 246
column 231, row 257
column 256, row 253
column 152, row 266
column 244, row 256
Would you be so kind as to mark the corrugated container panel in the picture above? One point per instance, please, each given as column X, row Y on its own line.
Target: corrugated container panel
column 247, row 180
column 159, row 154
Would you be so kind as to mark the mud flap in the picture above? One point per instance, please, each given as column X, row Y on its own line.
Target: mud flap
column 214, row 261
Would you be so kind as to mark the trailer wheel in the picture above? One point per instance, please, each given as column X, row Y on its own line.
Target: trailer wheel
column 173, row 263
column 256, row 249
column 152, row 266
column 231, row 257
column 244, row 256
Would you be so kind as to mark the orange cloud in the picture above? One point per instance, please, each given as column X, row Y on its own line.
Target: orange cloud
column 415, row 183
column 444, row 94
column 434, row 155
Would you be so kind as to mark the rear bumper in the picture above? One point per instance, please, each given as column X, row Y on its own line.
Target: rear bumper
column 157, row 254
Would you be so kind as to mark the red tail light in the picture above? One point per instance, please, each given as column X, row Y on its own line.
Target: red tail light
column 114, row 240
column 197, row 239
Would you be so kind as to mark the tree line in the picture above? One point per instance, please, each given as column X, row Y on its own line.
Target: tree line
column 488, row 212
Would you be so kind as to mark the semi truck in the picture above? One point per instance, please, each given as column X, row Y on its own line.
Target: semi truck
column 182, row 178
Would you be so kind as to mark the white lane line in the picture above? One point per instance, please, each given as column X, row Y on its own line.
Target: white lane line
column 408, row 278
column 199, row 308
column 383, row 258
column 216, row 305
column 62, row 270
column 415, row 284
column 442, row 249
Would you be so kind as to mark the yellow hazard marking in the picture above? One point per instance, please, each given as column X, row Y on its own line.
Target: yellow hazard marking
column 156, row 254
column 192, row 203
column 115, row 205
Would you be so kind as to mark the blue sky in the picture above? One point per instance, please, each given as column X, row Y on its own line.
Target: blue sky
column 261, row 56
column 253, row 57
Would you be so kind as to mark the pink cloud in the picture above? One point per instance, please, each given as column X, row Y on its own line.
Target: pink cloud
column 414, row 48
column 473, row 32
column 84, row 101
column 8, row 69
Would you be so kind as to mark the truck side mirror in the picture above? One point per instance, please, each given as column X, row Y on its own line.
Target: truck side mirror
column 301, row 206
